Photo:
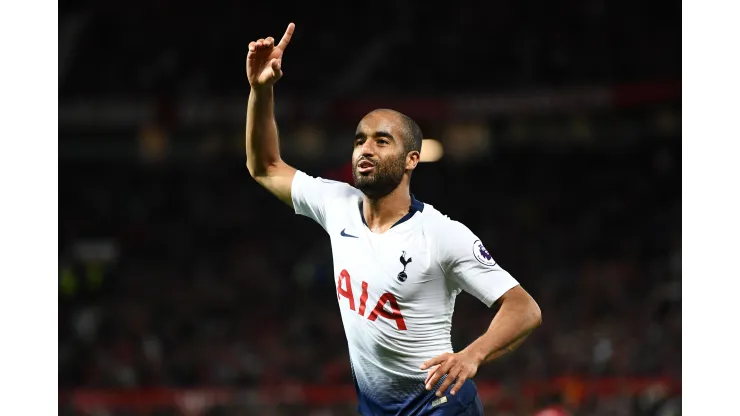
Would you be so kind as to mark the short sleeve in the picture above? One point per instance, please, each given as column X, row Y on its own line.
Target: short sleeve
column 470, row 266
column 312, row 196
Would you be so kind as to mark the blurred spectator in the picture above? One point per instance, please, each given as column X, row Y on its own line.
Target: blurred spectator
column 177, row 271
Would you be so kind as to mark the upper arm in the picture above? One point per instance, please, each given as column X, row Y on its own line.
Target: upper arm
column 470, row 267
column 522, row 303
column 278, row 179
column 517, row 294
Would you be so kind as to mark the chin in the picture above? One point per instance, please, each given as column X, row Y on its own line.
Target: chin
column 363, row 179
column 363, row 185
column 374, row 190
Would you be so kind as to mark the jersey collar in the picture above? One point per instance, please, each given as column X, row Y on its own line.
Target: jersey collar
column 416, row 206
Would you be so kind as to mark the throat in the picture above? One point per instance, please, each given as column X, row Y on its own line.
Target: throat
column 379, row 223
column 380, row 217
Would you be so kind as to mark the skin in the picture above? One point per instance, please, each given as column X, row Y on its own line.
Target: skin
column 386, row 199
column 386, row 189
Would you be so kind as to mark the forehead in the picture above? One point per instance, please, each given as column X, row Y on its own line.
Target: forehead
column 380, row 121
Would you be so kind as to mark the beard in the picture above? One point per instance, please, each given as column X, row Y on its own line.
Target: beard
column 386, row 177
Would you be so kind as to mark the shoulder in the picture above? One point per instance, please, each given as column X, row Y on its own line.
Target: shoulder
column 319, row 198
column 454, row 240
column 441, row 226
column 324, row 187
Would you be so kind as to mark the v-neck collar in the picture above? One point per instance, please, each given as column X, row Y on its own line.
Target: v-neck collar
column 416, row 206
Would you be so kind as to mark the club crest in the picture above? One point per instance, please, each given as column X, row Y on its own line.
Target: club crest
column 402, row 275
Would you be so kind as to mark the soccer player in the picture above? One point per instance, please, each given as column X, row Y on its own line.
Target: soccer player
column 398, row 262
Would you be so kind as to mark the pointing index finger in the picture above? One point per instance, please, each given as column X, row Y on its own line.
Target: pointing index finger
column 286, row 37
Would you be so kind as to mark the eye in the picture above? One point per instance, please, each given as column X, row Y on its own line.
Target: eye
column 359, row 142
column 383, row 142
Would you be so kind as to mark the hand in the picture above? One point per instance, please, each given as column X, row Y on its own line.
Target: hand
column 460, row 366
column 264, row 60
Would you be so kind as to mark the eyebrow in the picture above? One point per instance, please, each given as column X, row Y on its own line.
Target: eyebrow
column 380, row 133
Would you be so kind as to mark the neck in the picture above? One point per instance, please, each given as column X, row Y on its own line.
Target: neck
column 381, row 213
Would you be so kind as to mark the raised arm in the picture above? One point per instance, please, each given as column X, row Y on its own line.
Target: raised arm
column 264, row 69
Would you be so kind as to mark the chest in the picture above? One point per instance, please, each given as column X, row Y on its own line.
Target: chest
column 401, row 264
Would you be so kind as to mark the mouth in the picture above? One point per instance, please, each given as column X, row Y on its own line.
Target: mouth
column 365, row 166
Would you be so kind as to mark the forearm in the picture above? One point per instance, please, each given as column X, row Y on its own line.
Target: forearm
column 515, row 320
column 262, row 145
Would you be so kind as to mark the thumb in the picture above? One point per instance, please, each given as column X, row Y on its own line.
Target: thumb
column 275, row 64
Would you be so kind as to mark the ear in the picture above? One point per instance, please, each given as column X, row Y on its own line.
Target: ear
column 412, row 159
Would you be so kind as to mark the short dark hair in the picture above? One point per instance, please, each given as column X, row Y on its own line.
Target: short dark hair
column 412, row 134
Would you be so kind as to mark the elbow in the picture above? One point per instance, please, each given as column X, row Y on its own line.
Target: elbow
column 525, row 306
column 535, row 314
column 254, row 172
column 258, row 171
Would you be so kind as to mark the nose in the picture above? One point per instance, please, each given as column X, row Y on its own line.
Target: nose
column 368, row 149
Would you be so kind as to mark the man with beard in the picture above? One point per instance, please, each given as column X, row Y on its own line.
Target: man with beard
column 399, row 263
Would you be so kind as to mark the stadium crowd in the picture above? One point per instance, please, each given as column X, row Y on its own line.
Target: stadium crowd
column 382, row 47
column 183, row 273
column 207, row 281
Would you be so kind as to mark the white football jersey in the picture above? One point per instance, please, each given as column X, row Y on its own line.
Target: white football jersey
column 396, row 290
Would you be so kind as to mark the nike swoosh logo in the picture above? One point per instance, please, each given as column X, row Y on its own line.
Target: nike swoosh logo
column 343, row 234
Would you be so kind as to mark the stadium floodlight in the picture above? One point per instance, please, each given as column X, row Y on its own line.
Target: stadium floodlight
column 431, row 150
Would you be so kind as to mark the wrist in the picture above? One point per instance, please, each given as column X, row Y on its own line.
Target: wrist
column 478, row 354
column 261, row 89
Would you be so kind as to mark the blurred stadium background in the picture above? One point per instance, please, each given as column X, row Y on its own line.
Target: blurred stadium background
column 185, row 288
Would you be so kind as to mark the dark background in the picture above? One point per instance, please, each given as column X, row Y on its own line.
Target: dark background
column 185, row 288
